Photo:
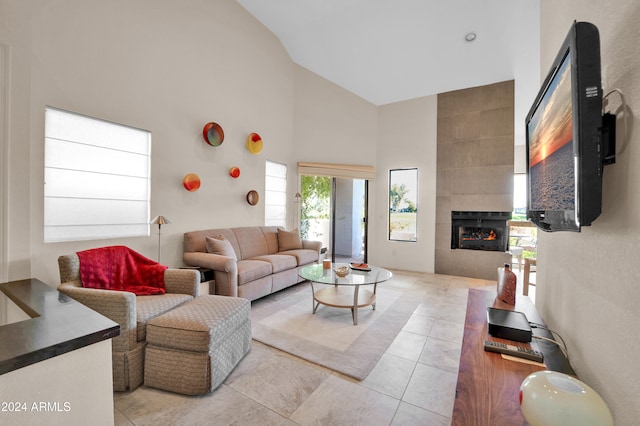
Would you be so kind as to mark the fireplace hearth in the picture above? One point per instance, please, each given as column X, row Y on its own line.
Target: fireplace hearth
column 486, row 231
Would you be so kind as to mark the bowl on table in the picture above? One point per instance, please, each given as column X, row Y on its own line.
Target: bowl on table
column 342, row 271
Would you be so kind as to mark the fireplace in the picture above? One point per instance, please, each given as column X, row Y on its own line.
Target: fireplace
column 480, row 230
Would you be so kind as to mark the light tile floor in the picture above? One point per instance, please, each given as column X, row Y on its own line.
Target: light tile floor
column 412, row 384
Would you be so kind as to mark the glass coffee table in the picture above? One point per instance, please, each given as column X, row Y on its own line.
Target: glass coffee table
column 344, row 292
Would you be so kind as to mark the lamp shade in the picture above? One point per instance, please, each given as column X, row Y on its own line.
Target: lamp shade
column 551, row 398
column 160, row 220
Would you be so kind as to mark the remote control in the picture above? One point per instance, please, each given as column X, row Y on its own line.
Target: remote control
column 517, row 351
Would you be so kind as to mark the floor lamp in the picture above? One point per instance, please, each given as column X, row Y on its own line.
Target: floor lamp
column 296, row 219
column 160, row 220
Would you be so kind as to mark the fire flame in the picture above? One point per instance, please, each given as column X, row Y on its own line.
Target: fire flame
column 479, row 235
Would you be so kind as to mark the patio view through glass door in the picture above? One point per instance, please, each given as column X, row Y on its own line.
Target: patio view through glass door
column 333, row 210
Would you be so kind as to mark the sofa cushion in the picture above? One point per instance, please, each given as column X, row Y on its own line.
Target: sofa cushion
column 256, row 241
column 289, row 240
column 195, row 241
column 279, row 262
column 220, row 245
column 249, row 270
column 303, row 256
column 149, row 307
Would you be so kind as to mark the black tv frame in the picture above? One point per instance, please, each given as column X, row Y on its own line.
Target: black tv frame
column 583, row 42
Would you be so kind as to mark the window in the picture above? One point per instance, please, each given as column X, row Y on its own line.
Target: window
column 519, row 197
column 403, row 204
column 97, row 176
column 275, row 194
column 523, row 235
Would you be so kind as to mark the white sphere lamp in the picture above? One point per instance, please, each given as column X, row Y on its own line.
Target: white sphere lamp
column 551, row 398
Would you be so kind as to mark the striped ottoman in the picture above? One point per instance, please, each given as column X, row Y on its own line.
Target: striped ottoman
column 192, row 349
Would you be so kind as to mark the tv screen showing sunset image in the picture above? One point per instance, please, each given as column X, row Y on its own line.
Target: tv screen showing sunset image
column 551, row 163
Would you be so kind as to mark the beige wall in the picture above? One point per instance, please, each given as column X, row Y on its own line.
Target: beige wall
column 406, row 139
column 331, row 125
column 588, row 283
column 170, row 68
column 334, row 126
column 4, row 175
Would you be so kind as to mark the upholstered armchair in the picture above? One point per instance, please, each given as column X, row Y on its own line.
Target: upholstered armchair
column 130, row 311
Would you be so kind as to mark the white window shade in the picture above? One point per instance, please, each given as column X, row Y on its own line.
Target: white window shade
column 275, row 196
column 97, row 176
column 347, row 171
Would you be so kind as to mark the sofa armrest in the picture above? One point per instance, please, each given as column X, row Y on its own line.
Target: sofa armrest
column 118, row 306
column 225, row 270
column 313, row 245
column 182, row 281
column 212, row 261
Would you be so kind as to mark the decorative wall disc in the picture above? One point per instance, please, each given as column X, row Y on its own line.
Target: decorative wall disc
column 191, row 182
column 254, row 143
column 234, row 172
column 213, row 134
column 253, row 197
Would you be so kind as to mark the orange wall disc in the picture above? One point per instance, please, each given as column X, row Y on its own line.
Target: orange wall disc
column 191, row 182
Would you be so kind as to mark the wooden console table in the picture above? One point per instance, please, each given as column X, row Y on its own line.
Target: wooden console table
column 488, row 386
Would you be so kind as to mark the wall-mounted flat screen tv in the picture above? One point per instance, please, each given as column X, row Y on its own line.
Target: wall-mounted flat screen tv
column 563, row 130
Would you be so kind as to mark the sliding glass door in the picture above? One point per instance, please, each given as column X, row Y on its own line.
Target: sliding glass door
column 334, row 211
column 349, row 220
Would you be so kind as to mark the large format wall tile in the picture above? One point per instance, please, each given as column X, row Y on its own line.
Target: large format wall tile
column 474, row 170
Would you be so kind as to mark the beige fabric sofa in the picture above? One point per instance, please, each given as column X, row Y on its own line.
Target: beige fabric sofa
column 131, row 312
column 263, row 262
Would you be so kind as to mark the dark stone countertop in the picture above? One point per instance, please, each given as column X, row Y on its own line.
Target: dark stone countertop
column 58, row 325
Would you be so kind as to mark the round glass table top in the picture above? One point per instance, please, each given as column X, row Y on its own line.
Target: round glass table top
column 318, row 274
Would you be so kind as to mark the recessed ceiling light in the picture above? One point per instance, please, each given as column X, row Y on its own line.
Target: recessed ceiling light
column 470, row 37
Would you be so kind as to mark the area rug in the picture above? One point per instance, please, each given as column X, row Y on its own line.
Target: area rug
column 285, row 321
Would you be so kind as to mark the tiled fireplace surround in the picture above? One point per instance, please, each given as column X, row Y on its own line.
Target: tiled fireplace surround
column 474, row 170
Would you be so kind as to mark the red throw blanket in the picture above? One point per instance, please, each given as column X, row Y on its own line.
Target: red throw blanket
column 120, row 268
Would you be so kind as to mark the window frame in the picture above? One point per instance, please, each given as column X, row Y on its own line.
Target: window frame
column 403, row 236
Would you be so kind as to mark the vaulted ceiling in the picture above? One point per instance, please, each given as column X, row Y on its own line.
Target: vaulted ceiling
column 393, row 50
